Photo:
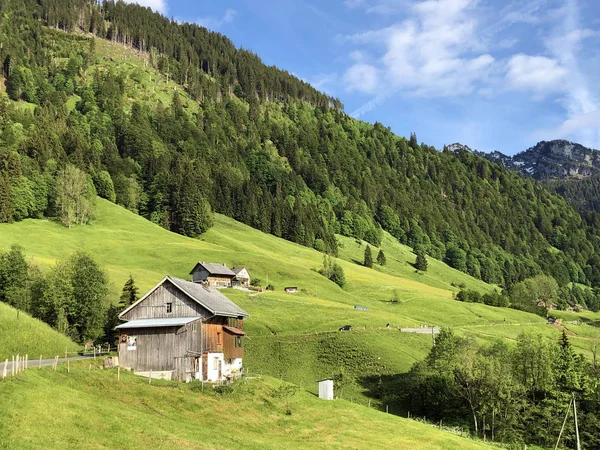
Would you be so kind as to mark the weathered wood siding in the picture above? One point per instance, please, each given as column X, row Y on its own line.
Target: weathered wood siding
column 213, row 335
column 230, row 351
column 156, row 349
column 166, row 348
column 155, row 305
column 219, row 281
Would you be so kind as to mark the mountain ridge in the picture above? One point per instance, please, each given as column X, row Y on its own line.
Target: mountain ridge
column 557, row 159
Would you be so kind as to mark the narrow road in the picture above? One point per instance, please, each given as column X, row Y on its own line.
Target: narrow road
column 43, row 362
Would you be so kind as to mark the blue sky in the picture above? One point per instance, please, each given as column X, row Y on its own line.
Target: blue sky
column 492, row 74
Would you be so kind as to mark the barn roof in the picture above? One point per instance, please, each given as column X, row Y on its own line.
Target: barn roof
column 211, row 299
column 215, row 269
column 237, row 270
column 155, row 323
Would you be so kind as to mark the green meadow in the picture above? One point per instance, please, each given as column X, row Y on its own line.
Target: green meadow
column 291, row 337
column 88, row 408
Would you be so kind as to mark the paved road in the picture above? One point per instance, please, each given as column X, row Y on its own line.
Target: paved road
column 44, row 362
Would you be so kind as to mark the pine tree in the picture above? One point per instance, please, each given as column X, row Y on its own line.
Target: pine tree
column 130, row 293
column 368, row 257
column 381, row 258
column 421, row 262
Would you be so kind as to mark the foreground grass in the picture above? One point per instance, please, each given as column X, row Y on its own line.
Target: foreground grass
column 55, row 410
column 21, row 334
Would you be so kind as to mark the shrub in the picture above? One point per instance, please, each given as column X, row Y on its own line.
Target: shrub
column 270, row 287
column 255, row 282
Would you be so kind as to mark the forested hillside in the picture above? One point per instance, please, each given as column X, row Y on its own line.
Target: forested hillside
column 191, row 125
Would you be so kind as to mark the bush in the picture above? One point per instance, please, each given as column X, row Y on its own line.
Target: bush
column 468, row 296
column 255, row 282
column 270, row 287
column 337, row 275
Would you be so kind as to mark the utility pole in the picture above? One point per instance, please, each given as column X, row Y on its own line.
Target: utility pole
column 576, row 425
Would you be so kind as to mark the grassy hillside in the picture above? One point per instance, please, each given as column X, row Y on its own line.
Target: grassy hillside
column 47, row 409
column 295, row 335
column 21, row 334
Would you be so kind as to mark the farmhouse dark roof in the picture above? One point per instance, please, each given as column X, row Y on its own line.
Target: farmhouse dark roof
column 211, row 299
column 215, row 269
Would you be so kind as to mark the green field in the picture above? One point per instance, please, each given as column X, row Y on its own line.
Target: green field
column 91, row 409
column 124, row 243
column 20, row 334
column 290, row 336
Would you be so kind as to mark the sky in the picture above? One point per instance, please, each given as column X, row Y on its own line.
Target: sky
column 491, row 74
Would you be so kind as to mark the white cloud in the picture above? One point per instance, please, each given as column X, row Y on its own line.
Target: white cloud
column 361, row 77
column 536, row 73
column 581, row 97
column 157, row 5
column 435, row 51
column 214, row 23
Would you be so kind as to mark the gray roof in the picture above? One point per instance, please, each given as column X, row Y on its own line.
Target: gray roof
column 211, row 299
column 154, row 323
column 215, row 269
column 237, row 270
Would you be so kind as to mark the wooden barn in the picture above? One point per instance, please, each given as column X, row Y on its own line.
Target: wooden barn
column 213, row 275
column 183, row 330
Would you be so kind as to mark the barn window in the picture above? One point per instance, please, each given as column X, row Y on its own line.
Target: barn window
column 169, row 307
column 238, row 341
column 218, row 338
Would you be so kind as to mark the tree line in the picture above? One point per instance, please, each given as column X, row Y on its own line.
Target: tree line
column 296, row 167
column 510, row 394
column 71, row 297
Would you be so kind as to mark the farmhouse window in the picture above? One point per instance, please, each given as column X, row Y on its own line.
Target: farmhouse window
column 218, row 338
column 169, row 307
column 238, row 341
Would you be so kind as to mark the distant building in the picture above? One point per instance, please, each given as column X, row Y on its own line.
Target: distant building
column 242, row 277
column 291, row 289
column 213, row 275
column 185, row 331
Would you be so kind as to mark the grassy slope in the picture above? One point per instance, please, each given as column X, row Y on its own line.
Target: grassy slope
column 124, row 243
column 47, row 409
column 25, row 335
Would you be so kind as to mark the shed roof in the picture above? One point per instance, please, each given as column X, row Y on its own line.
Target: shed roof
column 211, row 299
column 156, row 323
column 234, row 330
column 215, row 269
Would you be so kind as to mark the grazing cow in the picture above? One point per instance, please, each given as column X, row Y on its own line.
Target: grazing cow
column 346, row 328
column 388, row 325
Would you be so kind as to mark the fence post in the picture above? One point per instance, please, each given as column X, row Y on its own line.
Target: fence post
column 387, row 409
column 12, row 367
column 4, row 370
column 94, row 352
column 68, row 366
column 40, row 366
column 27, row 361
column 17, row 369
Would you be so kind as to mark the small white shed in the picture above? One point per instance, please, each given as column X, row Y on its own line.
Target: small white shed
column 326, row 389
